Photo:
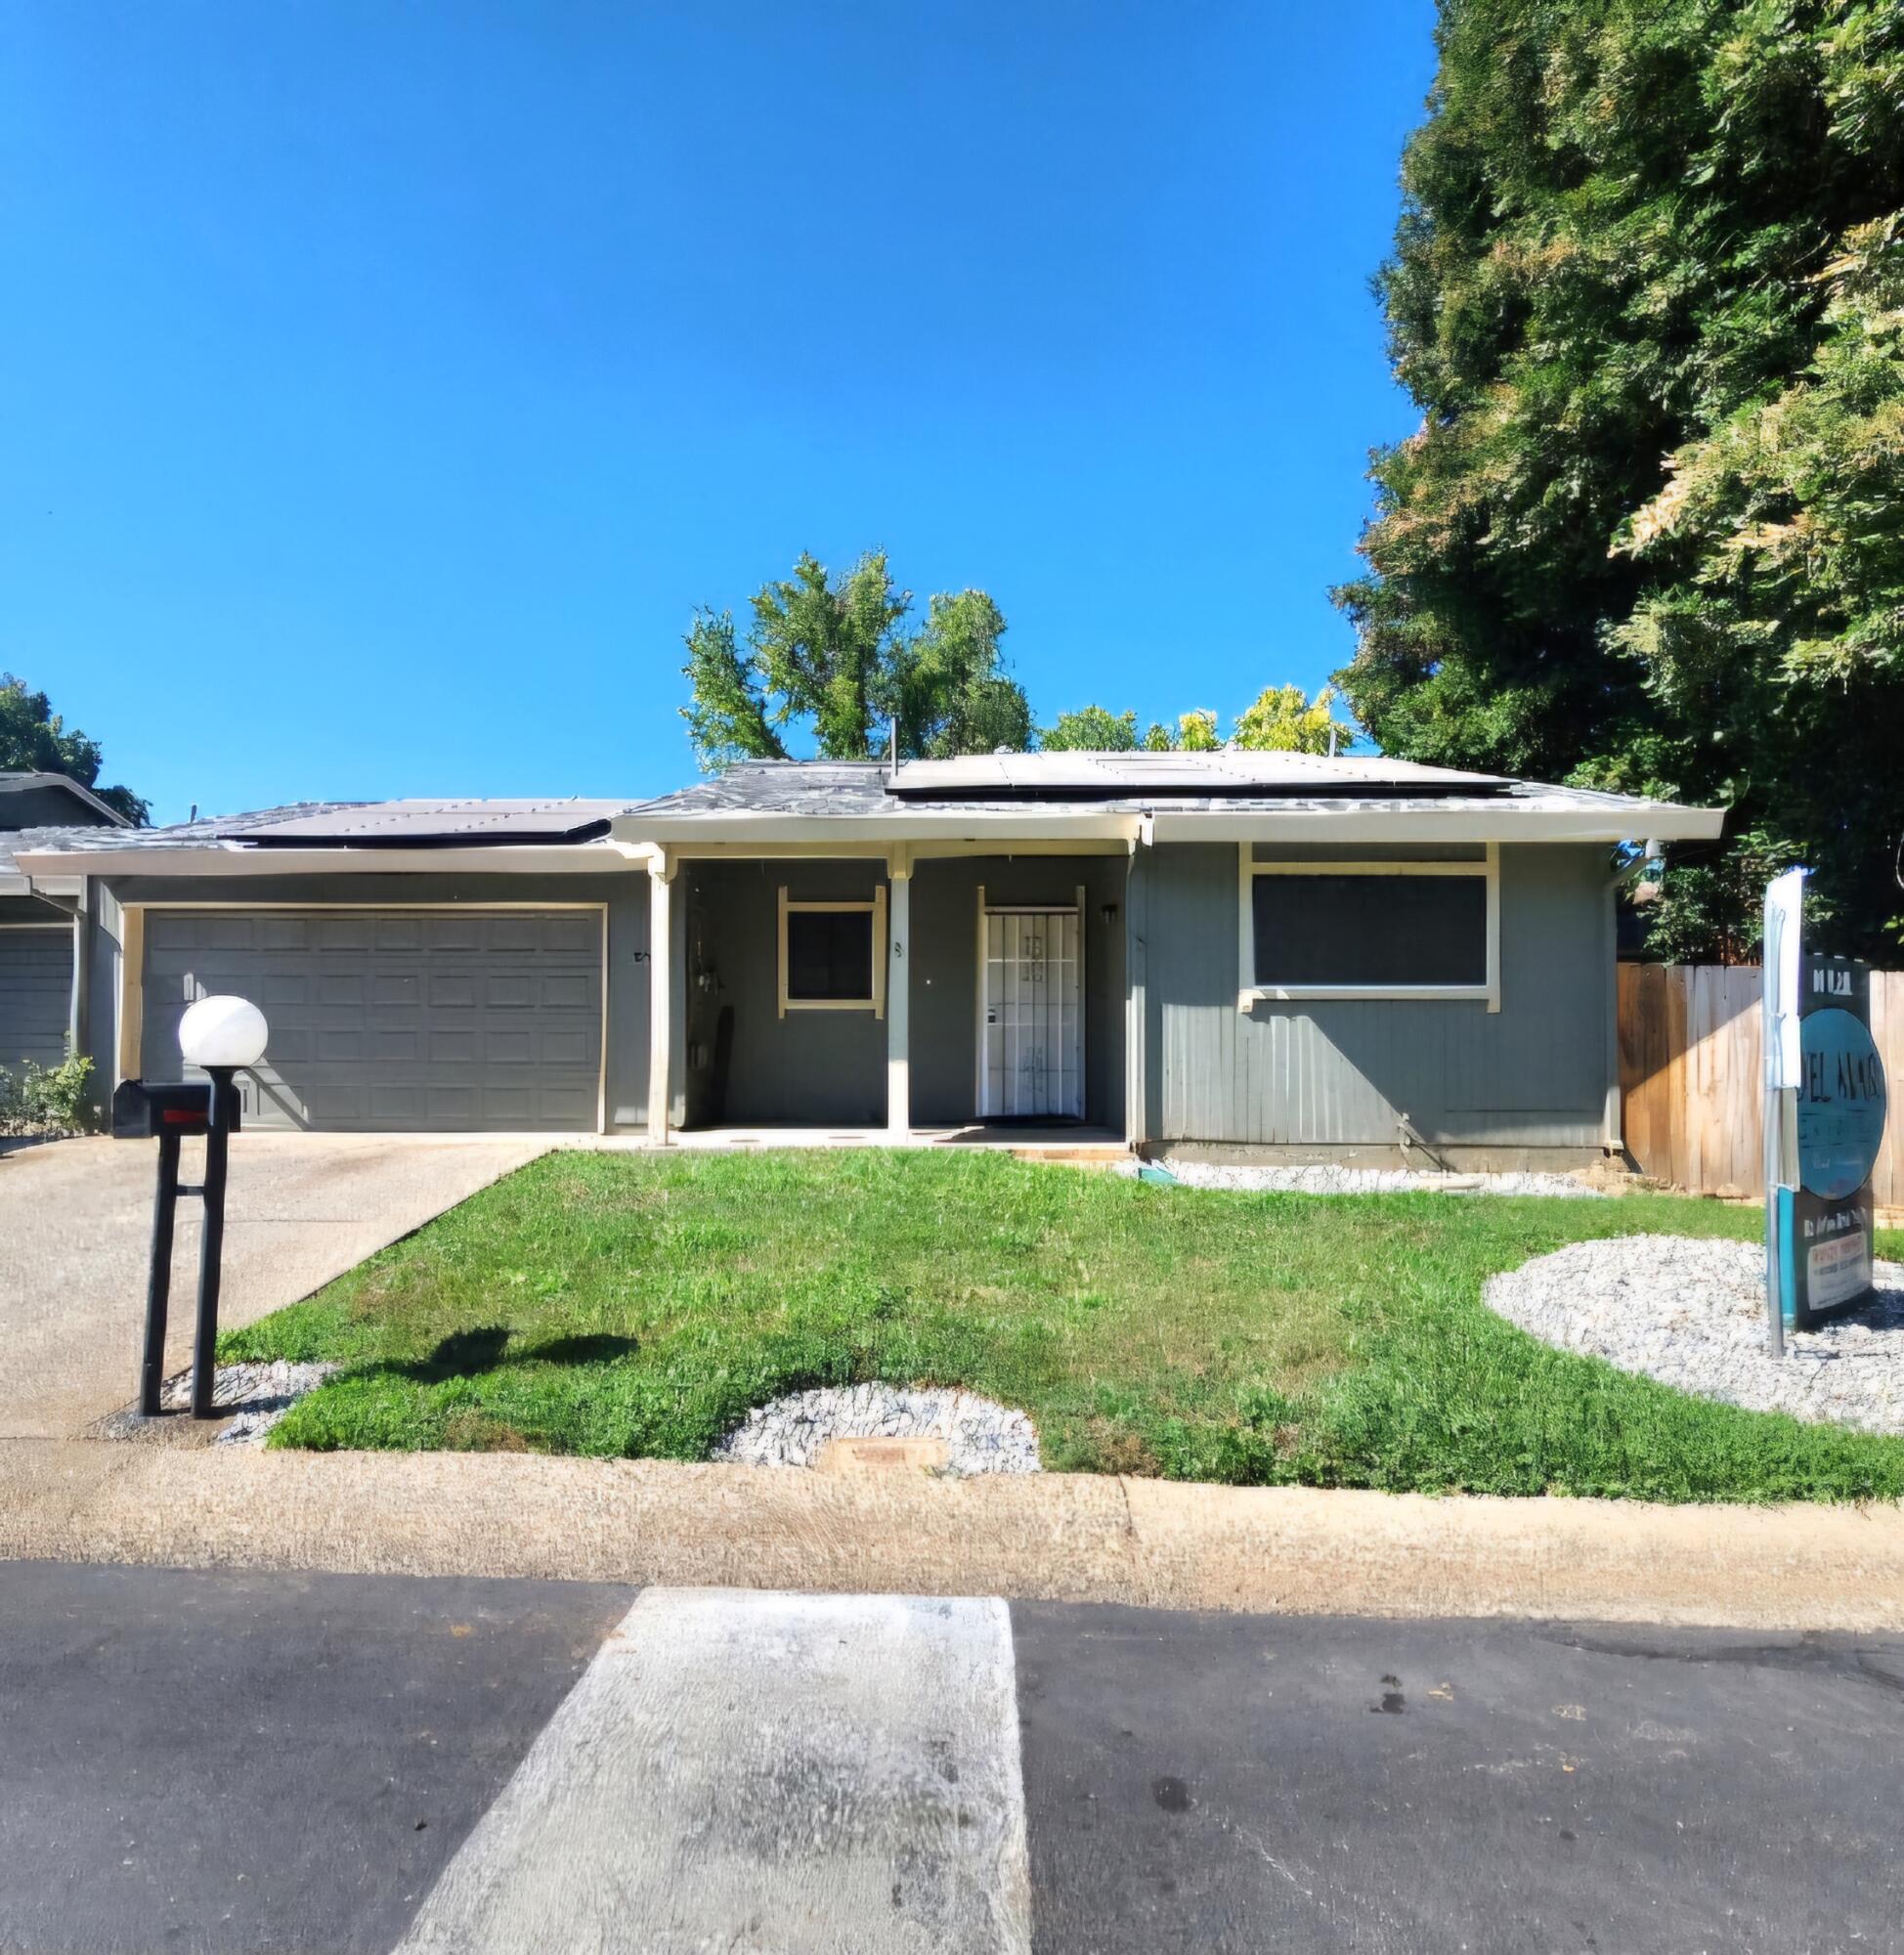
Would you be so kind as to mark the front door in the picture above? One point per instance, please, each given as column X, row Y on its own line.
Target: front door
column 1031, row 1016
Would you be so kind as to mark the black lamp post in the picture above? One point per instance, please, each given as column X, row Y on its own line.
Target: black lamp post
column 221, row 1036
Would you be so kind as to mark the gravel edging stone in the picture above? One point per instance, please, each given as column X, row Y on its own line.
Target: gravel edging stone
column 1690, row 1312
column 1327, row 1178
column 980, row 1435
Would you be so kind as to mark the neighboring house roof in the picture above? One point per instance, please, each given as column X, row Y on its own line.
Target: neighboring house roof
column 14, row 880
column 1223, row 796
column 16, row 781
column 415, row 824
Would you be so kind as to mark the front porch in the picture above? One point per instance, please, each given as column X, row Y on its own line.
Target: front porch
column 896, row 998
column 1065, row 1141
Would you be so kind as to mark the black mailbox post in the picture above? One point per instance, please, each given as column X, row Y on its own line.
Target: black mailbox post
column 167, row 1110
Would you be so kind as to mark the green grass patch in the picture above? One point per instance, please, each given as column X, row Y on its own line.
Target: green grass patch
column 620, row 1305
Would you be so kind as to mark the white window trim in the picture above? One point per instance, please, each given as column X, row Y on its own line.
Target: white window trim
column 874, row 906
column 1250, row 992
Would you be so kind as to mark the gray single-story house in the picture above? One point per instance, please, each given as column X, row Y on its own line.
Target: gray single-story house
column 43, row 974
column 1273, row 954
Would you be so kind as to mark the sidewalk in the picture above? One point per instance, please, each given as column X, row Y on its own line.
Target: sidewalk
column 1051, row 1536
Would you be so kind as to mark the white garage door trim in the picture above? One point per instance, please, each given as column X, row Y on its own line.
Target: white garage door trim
column 132, row 966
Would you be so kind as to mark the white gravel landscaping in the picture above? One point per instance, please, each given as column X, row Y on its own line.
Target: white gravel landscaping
column 1691, row 1313
column 257, row 1395
column 980, row 1435
column 1324, row 1178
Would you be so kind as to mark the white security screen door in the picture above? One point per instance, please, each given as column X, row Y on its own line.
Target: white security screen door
column 1031, row 1004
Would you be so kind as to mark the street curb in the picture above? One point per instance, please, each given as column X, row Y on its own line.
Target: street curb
column 1044, row 1537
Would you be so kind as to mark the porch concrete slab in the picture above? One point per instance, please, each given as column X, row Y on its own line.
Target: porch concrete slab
column 1051, row 1536
column 1057, row 1140
column 75, row 1235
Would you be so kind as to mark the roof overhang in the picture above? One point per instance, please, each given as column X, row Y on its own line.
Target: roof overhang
column 1499, row 821
column 229, row 859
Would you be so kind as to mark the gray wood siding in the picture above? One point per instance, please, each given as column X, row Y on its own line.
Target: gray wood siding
column 809, row 1068
column 1341, row 1072
column 48, row 807
column 35, row 995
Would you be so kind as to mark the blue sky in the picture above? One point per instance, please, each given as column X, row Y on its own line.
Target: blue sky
column 383, row 385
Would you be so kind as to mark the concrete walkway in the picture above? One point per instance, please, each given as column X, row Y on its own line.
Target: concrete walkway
column 75, row 1232
column 1055, row 1537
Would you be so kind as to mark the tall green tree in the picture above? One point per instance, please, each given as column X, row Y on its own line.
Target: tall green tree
column 1645, row 292
column 837, row 658
column 1091, row 729
column 34, row 739
column 1283, row 718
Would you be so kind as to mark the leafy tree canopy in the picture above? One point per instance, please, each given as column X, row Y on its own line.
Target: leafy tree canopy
column 839, row 658
column 34, row 739
column 1282, row 719
column 1096, row 729
column 1648, row 292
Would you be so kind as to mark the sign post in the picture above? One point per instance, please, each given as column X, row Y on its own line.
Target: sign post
column 1825, row 1106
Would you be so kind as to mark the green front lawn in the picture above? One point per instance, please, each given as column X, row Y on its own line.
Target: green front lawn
column 613, row 1304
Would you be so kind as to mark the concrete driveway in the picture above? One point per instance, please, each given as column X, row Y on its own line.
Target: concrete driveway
column 75, row 1223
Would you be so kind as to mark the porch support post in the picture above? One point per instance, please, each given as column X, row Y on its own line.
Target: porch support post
column 661, row 985
column 898, row 1000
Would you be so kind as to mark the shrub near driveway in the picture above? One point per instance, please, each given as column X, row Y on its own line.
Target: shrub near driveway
column 617, row 1304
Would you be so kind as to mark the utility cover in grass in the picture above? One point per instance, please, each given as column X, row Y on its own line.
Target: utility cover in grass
column 1690, row 1310
column 980, row 1435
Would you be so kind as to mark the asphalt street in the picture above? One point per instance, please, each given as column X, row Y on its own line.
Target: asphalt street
column 213, row 1762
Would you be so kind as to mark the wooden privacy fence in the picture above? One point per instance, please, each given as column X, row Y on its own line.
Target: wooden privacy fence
column 1690, row 1084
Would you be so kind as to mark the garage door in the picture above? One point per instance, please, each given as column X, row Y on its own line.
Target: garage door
column 395, row 1021
column 35, row 994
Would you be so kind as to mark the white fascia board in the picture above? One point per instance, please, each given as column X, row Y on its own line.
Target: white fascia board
column 232, row 859
column 15, row 885
column 1660, row 821
column 1000, row 825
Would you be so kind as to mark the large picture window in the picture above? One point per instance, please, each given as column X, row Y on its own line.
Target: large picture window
column 833, row 955
column 1370, row 930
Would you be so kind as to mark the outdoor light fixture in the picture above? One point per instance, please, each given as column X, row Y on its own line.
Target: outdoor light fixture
column 221, row 1036
column 223, row 1032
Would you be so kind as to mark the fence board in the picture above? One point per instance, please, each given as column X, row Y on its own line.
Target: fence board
column 1690, row 1079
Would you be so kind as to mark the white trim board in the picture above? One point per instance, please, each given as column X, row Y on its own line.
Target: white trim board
column 872, row 906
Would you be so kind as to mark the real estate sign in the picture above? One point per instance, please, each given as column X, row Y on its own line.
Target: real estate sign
column 1826, row 1103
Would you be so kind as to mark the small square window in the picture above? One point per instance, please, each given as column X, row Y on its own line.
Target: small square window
column 833, row 955
column 830, row 956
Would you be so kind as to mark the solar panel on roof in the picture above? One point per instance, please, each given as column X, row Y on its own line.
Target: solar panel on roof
column 1228, row 770
column 418, row 823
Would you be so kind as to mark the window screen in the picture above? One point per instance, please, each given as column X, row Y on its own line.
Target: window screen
column 830, row 954
column 1370, row 931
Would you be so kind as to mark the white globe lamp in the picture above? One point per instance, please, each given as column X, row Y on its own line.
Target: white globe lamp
column 223, row 1032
